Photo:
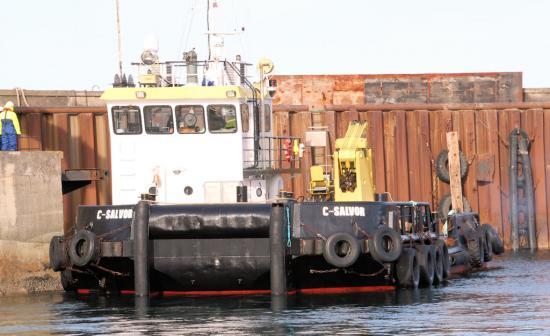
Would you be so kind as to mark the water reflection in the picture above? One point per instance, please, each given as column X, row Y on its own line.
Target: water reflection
column 512, row 297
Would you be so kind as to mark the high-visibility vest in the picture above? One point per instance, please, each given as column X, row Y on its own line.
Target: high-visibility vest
column 11, row 116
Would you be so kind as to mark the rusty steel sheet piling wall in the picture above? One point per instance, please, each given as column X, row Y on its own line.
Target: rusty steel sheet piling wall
column 319, row 90
column 406, row 140
column 81, row 134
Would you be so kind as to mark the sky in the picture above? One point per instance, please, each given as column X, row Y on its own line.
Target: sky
column 72, row 44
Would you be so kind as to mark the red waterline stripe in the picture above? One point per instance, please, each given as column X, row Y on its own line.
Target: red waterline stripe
column 333, row 290
column 346, row 290
column 217, row 293
column 460, row 269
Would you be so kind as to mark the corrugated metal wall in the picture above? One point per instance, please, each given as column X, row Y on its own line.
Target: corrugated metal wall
column 407, row 138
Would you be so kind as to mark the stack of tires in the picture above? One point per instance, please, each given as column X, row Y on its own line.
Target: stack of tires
column 67, row 252
column 342, row 249
column 423, row 265
column 485, row 244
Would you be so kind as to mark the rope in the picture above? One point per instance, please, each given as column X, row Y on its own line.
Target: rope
column 360, row 229
column 105, row 269
column 20, row 92
column 288, row 243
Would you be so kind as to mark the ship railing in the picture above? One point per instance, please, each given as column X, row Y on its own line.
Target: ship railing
column 175, row 73
column 277, row 154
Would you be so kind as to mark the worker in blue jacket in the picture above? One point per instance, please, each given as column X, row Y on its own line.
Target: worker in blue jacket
column 9, row 128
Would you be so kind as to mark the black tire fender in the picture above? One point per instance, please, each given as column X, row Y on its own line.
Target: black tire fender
column 445, row 257
column 84, row 248
column 407, row 271
column 493, row 239
column 487, row 242
column 446, row 203
column 385, row 245
column 475, row 250
column 442, row 162
column 59, row 258
column 67, row 280
column 426, row 261
column 332, row 251
column 438, row 264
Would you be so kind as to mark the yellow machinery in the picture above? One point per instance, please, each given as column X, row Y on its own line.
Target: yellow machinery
column 353, row 179
column 319, row 186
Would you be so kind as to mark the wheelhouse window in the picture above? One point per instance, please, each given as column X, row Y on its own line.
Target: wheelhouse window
column 158, row 119
column 190, row 119
column 267, row 118
column 126, row 120
column 222, row 119
column 245, row 117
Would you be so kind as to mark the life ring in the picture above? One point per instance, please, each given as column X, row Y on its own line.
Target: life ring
column 341, row 250
column 84, row 248
column 445, row 256
column 446, row 203
column 58, row 254
column 442, row 165
column 426, row 261
column 385, row 245
column 407, row 271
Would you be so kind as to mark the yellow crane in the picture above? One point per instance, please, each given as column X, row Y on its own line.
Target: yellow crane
column 353, row 177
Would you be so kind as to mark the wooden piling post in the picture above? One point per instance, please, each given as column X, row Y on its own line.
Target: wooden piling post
column 454, row 171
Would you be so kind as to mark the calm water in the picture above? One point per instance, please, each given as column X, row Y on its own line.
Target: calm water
column 513, row 298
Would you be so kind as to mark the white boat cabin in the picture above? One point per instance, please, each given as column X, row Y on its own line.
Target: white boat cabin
column 190, row 144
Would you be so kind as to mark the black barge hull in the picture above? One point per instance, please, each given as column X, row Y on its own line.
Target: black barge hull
column 243, row 248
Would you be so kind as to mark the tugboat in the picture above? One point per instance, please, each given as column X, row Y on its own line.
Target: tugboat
column 199, row 207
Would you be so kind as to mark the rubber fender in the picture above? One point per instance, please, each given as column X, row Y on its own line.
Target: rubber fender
column 341, row 250
column 58, row 254
column 67, row 280
column 475, row 250
column 438, row 264
column 493, row 239
column 407, row 271
column 487, row 242
column 442, row 165
column 445, row 205
column 445, row 257
column 385, row 245
column 426, row 261
column 84, row 248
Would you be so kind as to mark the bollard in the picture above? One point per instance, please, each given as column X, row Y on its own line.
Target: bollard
column 277, row 250
column 141, row 245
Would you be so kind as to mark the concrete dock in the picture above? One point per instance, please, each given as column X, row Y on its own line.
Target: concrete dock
column 32, row 212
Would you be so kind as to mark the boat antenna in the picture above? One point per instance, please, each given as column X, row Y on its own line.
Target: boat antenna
column 208, row 27
column 119, row 51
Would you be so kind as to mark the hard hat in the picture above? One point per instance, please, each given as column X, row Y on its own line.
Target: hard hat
column 8, row 106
